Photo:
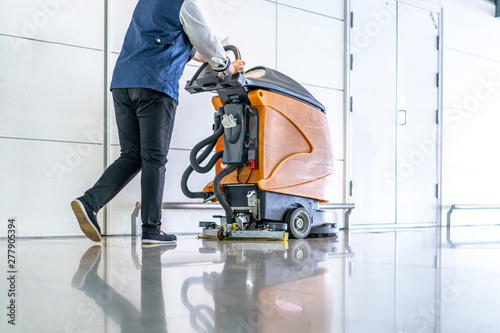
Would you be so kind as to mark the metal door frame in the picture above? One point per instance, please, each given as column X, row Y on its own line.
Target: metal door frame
column 347, row 105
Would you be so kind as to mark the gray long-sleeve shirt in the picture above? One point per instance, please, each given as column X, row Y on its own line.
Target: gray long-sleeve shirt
column 201, row 36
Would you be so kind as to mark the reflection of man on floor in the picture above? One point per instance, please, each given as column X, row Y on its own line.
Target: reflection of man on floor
column 151, row 317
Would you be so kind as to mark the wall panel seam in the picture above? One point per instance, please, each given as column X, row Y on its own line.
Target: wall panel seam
column 50, row 140
column 471, row 54
column 320, row 86
column 310, row 11
column 471, row 112
column 52, row 42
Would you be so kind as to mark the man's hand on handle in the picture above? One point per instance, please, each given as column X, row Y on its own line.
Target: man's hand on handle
column 237, row 66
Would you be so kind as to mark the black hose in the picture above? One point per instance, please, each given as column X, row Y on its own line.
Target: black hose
column 209, row 143
column 185, row 176
column 220, row 196
column 199, row 314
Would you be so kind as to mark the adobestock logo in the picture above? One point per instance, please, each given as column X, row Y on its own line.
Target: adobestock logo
column 423, row 318
column 31, row 25
column 363, row 36
column 224, row 7
column 454, row 118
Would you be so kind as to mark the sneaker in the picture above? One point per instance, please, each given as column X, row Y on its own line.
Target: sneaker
column 87, row 219
column 161, row 238
column 89, row 262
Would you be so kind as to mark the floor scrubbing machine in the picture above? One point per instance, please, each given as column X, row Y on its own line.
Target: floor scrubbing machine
column 273, row 156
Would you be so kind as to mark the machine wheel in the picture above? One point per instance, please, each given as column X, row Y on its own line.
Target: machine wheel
column 206, row 224
column 299, row 222
column 220, row 234
column 299, row 253
column 277, row 226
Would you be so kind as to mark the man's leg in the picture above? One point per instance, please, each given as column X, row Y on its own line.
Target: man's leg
column 118, row 174
column 126, row 167
column 156, row 114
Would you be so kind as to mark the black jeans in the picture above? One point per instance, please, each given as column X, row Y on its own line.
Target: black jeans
column 145, row 120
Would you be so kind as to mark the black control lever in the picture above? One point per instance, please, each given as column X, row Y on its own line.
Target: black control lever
column 207, row 79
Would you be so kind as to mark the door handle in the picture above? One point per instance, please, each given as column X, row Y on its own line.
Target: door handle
column 402, row 117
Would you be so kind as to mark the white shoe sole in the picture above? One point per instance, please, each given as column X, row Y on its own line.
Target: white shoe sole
column 84, row 221
column 147, row 245
column 157, row 242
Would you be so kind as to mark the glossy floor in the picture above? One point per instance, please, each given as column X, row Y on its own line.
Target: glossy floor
column 419, row 280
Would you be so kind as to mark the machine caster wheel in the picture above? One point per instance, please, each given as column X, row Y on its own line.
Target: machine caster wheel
column 206, row 224
column 220, row 234
column 277, row 226
column 299, row 222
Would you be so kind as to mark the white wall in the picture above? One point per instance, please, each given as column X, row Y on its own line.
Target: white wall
column 51, row 107
column 471, row 157
column 471, row 109
column 52, row 98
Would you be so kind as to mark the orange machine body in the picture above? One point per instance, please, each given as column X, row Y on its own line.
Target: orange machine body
column 294, row 148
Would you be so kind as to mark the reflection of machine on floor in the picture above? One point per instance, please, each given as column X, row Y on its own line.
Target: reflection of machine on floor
column 266, row 287
column 273, row 137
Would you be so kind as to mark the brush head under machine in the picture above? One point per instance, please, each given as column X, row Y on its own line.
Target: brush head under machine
column 272, row 137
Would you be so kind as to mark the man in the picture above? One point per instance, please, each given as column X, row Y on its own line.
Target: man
column 145, row 87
